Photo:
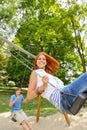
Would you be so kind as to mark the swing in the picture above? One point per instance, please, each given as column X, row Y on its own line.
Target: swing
column 79, row 101
column 30, row 55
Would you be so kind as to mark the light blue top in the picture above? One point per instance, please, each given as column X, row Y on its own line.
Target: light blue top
column 17, row 104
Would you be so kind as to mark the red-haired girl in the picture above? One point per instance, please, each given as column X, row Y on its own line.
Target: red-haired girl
column 44, row 82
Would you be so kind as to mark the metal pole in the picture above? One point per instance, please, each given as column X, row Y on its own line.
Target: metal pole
column 17, row 47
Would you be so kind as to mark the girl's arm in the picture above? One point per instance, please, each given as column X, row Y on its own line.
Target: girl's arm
column 32, row 86
column 32, row 91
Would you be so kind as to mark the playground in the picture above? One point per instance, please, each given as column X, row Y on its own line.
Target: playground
column 53, row 122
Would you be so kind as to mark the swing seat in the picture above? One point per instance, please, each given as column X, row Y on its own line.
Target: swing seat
column 78, row 103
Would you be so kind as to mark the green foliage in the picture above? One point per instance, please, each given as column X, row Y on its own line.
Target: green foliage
column 19, row 76
column 50, row 32
column 3, row 65
column 11, row 83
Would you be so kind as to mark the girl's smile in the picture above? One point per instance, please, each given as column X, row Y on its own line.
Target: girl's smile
column 41, row 62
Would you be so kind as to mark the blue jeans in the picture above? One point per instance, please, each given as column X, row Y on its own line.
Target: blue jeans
column 75, row 88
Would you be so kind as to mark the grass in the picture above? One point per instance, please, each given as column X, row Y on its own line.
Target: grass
column 30, row 107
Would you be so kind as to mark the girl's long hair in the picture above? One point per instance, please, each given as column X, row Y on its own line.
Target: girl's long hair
column 52, row 64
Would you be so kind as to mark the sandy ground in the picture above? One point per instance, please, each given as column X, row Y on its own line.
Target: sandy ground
column 53, row 122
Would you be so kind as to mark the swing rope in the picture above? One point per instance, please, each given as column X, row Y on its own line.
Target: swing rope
column 64, row 94
column 17, row 47
column 18, row 59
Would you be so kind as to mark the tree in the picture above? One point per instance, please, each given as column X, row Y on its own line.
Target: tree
column 3, row 65
column 78, row 14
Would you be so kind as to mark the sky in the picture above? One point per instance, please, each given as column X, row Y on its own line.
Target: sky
column 63, row 2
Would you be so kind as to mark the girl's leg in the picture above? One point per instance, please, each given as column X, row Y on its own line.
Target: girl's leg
column 76, row 87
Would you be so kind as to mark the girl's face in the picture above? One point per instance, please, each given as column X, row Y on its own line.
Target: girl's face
column 41, row 62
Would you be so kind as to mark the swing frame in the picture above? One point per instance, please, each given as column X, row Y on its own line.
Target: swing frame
column 72, row 108
column 38, row 112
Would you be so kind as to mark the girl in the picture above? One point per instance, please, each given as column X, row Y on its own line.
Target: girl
column 44, row 82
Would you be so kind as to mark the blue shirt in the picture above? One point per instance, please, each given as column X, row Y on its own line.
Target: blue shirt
column 17, row 104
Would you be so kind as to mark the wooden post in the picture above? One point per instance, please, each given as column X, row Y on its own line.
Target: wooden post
column 38, row 112
column 67, row 118
column 38, row 109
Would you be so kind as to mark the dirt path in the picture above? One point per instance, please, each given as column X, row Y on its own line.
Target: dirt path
column 53, row 122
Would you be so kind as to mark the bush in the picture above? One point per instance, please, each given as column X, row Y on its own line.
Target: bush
column 11, row 83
